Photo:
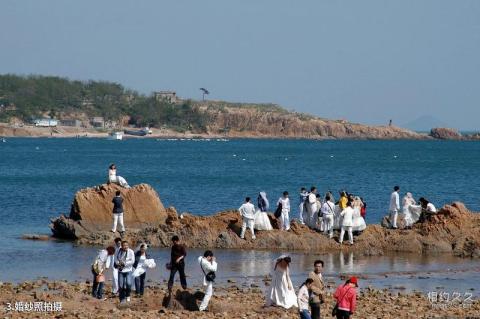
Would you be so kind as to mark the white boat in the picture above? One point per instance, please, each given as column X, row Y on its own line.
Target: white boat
column 115, row 136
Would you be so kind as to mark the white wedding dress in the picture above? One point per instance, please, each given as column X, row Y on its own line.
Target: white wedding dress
column 279, row 294
column 262, row 222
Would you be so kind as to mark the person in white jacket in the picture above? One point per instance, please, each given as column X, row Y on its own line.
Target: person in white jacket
column 328, row 213
column 284, row 218
column 208, row 266
column 312, row 208
column 247, row 210
column 124, row 259
column 347, row 223
column 394, row 206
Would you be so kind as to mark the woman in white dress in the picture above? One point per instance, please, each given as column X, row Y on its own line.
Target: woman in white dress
column 407, row 202
column 113, row 178
column 358, row 221
column 262, row 222
column 281, row 292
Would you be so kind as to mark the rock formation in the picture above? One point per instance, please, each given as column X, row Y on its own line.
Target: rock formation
column 454, row 229
column 91, row 210
column 261, row 121
column 443, row 133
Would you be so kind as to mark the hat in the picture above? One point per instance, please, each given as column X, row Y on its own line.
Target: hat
column 353, row 280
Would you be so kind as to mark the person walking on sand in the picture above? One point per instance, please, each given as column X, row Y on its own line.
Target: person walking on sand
column 317, row 288
column 303, row 299
column 346, row 297
column 101, row 263
column 394, row 206
column 347, row 223
column 328, row 212
column 117, row 246
column 124, row 260
column 177, row 263
column 118, row 213
column 303, row 199
column 113, row 178
column 247, row 211
column 281, row 292
column 284, row 218
column 208, row 265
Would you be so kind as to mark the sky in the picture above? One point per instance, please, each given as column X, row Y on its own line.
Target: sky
column 364, row 61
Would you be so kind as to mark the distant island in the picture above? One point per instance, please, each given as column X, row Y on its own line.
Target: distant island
column 54, row 106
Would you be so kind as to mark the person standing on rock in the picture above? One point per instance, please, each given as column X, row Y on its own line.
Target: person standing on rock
column 317, row 288
column 177, row 263
column 101, row 263
column 113, row 178
column 347, row 223
column 118, row 245
column 284, row 218
column 303, row 299
column 394, row 206
column 346, row 297
column 118, row 213
column 328, row 212
column 124, row 261
column 209, row 267
column 301, row 207
column 247, row 211
column 312, row 208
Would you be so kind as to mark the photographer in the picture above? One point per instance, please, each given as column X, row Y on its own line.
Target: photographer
column 209, row 267
column 124, row 260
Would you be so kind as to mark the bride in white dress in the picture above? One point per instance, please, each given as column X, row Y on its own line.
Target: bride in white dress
column 281, row 292
column 262, row 222
column 113, row 178
column 408, row 205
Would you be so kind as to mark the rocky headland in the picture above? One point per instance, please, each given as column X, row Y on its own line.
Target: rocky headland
column 454, row 229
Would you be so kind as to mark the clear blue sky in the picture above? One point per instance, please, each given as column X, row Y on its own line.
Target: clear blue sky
column 365, row 61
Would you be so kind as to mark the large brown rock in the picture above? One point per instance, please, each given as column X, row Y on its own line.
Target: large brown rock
column 445, row 133
column 91, row 210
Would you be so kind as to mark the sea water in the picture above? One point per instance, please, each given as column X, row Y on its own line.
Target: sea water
column 39, row 177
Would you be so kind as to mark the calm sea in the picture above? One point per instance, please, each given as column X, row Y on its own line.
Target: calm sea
column 38, row 177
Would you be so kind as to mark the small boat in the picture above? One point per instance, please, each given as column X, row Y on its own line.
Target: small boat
column 141, row 132
column 4, row 140
column 115, row 136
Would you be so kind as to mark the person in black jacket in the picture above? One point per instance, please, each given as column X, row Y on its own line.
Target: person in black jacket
column 118, row 213
column 140, row 257
column 177, row 263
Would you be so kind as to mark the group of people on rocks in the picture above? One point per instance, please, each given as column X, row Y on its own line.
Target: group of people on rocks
column 324, row 215
column 311, row 294
column 129, row 266
column 410, row 212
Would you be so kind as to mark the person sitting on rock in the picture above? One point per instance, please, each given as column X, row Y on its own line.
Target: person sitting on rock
column 428, row 209
column 113, row 178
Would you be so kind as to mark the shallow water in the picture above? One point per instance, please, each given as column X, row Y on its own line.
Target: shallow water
column 404, row 272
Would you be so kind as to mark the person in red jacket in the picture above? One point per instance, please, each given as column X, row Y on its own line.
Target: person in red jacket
column 346, row 296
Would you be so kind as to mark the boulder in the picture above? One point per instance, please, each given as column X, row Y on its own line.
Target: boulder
column 91, row 210
column 445, row 133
